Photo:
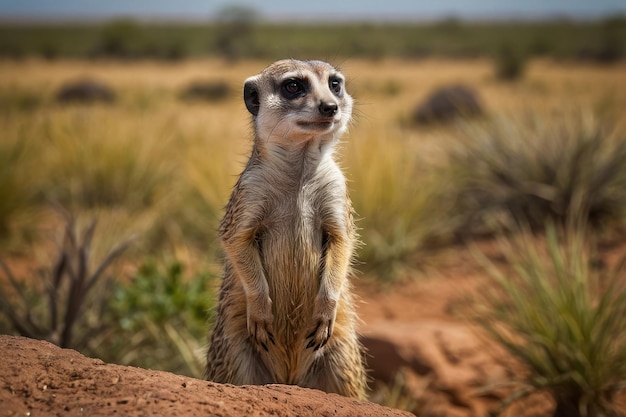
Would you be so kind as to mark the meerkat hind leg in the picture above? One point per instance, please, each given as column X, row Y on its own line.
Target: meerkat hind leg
column 250, row 368
column 338, row 373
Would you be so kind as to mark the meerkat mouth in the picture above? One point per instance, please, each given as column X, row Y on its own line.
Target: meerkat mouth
column 316, row 125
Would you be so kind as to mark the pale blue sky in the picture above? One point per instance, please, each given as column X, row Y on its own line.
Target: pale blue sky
column 312, row 9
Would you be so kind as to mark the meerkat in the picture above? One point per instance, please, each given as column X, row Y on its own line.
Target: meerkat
column 286, row 313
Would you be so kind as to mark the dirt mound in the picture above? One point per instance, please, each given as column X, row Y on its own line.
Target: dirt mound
column 444, row 364
column 39, row 378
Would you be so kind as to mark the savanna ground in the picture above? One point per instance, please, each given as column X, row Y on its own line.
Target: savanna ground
column 159, row 169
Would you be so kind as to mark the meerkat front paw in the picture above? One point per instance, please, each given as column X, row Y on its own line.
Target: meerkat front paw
column 324, row 314
column 260, row 321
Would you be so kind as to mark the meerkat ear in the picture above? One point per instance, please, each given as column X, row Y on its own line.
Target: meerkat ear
column 251, row 95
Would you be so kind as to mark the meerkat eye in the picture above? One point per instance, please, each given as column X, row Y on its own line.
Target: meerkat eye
column 335, row 85
column 293, row 88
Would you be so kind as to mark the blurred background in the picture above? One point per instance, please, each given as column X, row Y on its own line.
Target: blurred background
column 486, row 163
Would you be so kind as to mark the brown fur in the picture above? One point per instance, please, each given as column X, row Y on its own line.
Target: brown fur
column 286, row 313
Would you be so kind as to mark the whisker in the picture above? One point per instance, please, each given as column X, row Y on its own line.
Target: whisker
column 272, row 131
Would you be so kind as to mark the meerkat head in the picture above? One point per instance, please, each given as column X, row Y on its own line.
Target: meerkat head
column 294, row 101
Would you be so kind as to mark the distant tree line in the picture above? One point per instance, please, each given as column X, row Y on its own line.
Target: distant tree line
column 238, row 33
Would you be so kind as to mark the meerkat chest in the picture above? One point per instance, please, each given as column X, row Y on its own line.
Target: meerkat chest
column 297, row 216
column 304, row 207
column 293, row 226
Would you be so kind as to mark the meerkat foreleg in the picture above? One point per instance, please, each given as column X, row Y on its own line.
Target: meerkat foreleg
column 242, row 250
column 334, row 268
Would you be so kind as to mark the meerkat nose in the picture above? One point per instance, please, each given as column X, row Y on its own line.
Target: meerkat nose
column 328, row 109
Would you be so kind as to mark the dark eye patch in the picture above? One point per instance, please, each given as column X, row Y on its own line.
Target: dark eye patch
column 293, row 88
column 335, row 84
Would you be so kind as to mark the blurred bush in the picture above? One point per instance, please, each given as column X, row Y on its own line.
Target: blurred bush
column 510, row 172
column 210, row 91
column 85, row 91
column 447, row 103
column 564, row 321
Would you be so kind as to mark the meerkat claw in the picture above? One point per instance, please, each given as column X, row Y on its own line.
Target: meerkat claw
column 323, row 343
column 313, row 333
column 319, row 337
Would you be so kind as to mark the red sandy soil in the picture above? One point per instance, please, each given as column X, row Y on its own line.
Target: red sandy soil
column 416, row 329
column 41, row 379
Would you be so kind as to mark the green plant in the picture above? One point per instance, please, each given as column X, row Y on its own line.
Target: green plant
column 159, row 319
column 563, row 320
column 509, row 172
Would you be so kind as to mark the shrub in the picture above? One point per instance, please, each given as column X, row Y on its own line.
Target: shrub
column 85, row 91
column 563, row 320
column 159, row 319
column 210, row 91
column 66, row 307
column 508, row 172
column 447, row 103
